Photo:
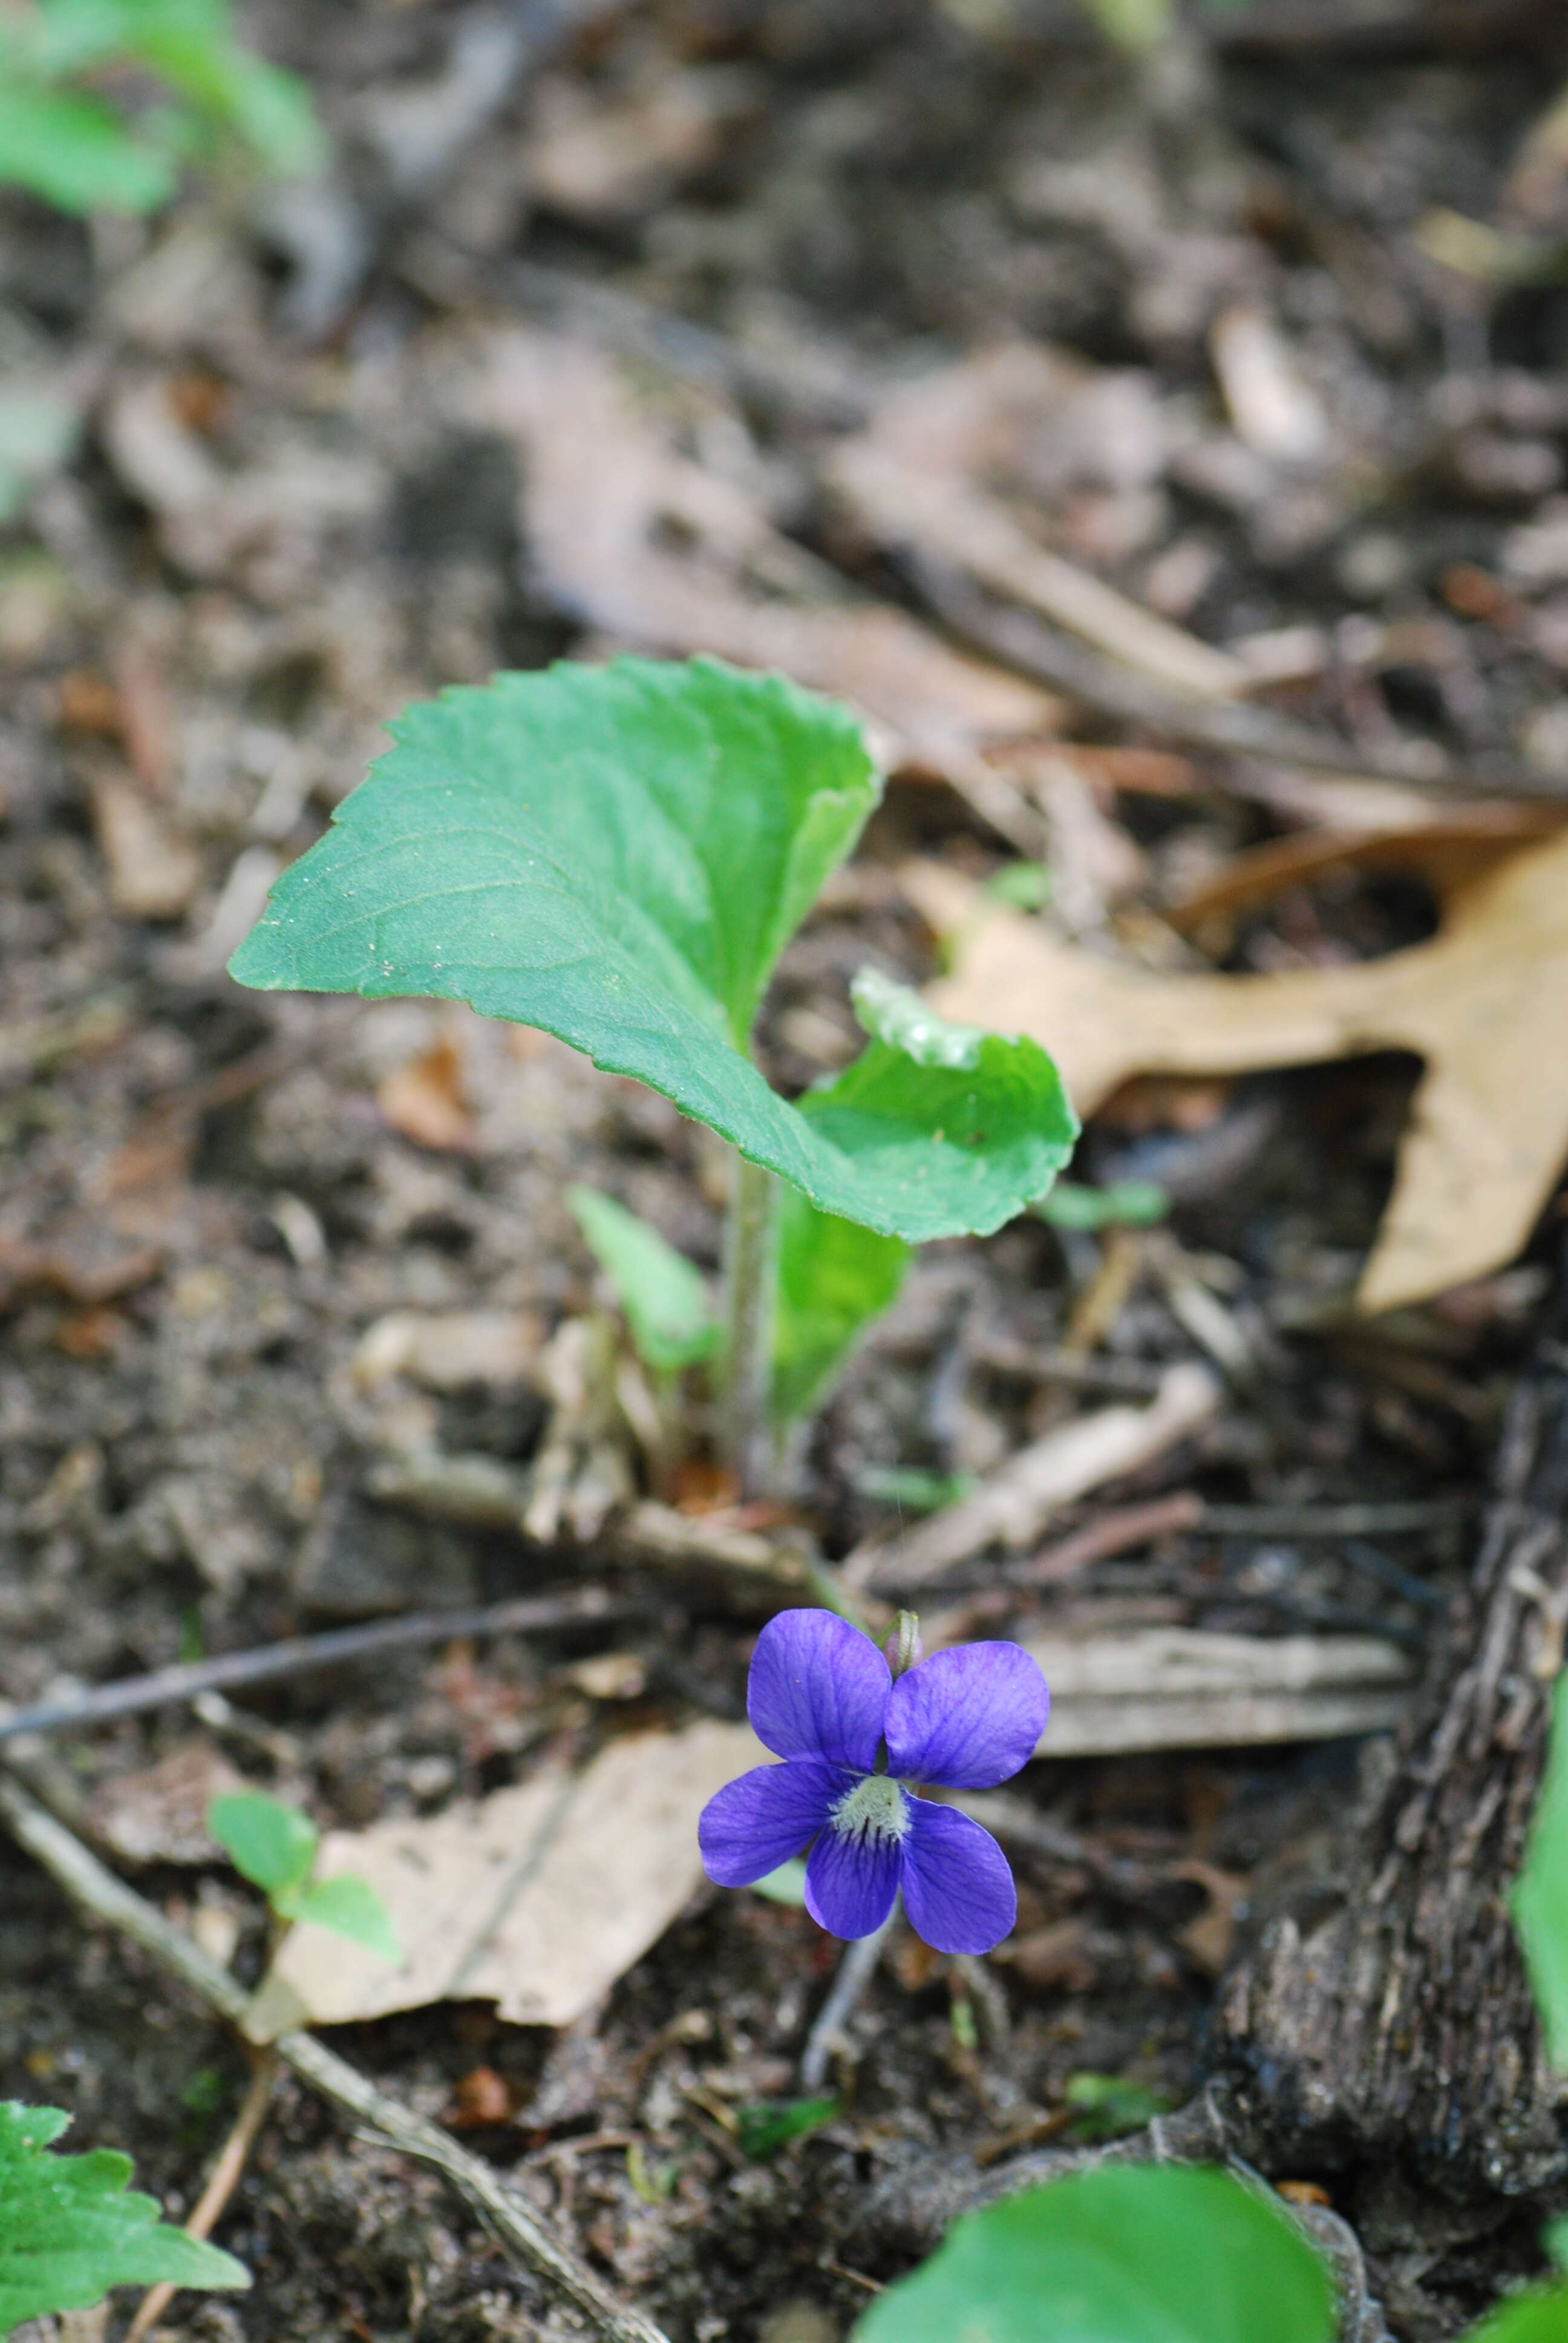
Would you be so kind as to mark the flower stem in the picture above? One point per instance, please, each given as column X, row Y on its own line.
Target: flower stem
column 750, row 1281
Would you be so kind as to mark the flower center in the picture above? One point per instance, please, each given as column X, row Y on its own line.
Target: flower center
column 876, row 1808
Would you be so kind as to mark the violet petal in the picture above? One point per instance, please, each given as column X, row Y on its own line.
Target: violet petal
column 817, row 1688
column 958, row 1889
column 752, row 1825
column 852, row 1881
column 968, row 1717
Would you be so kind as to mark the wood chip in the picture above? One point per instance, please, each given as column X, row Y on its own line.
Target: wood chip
column 1179, row 1688
column 1012, row 1506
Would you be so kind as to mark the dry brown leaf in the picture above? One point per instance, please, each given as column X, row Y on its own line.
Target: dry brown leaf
column 1448, row 847
column 159, row 1815
column 535, row 1899
column 1484, row 1004
column 919, row 477
column 425, row 1099
column 963, row 524
column 153, row 874
column 646, row 545
column 611, row 162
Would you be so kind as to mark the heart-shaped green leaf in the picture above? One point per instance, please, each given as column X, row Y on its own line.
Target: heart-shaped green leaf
column 618, row 855
column 69, row 2231
column 1129, row 2254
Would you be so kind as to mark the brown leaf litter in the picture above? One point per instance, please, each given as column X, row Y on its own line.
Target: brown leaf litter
column 1484, row 1004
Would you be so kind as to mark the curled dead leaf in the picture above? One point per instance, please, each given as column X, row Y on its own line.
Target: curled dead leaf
column 1484, row 1004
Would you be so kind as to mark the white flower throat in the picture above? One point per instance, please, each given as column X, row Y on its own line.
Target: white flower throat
column 876, row 1808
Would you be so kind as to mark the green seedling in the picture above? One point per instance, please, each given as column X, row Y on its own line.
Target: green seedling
column 618, row 855
column 274, row 1847
column 1125, row 1204
column 70, row 2229
column 67, row 136
column 762, row 2130
column 1108, row 2106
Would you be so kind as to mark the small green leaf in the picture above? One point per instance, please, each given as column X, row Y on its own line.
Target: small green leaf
column 69, row 2231
column 1534, row 2317
column 834, row 1278
column 1135, row 26
column 666, row 1299
column 1108, row 2106
column 618, row 855
column 764, row 2129
column 785, row 1885
column 1539, row 1899
column 270, row 1844
column 351, row 1908
column 77, row 154
column 1128, row 2254
column 1021, row 885
column 912, row 1487
column 1126, row 1203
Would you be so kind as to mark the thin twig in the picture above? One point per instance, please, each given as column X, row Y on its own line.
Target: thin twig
column 856, row 1970
column 220, row 2187
column 164, row 1688
column 1020, row 640
column 95, row 1889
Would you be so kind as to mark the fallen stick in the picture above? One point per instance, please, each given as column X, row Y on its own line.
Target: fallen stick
column 1019, row 639
column 166, row 1688
column 907, row 509
column 1012, row 1506
column 1186, row 1688
column 95, row 1888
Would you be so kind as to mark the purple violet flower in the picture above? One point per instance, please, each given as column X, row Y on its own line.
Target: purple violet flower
column 855, row 1742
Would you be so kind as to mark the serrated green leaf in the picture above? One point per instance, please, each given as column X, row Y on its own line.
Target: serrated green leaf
column 764, row 2129
column 69, row 2230
column 271, row 1844
column 1534, row 2317
column 666, row 1299
column 1538, row 1901
column 618, row 855
column 77, row 154
column 351, row 1908
column 834, row 1278
column 1128, row 2254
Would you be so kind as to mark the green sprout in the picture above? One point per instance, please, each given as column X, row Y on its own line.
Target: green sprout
column 618, row 855
column 275, row 1847
column 65, row 134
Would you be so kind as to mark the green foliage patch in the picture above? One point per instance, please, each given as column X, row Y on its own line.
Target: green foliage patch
column 70, row 2229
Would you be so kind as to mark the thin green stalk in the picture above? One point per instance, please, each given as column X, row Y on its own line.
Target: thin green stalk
column 750, row 1285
